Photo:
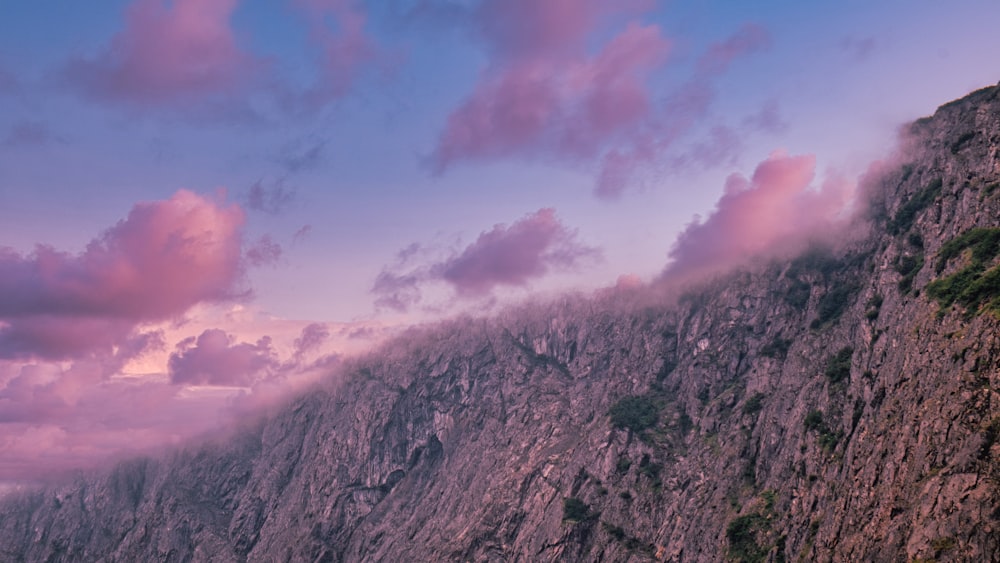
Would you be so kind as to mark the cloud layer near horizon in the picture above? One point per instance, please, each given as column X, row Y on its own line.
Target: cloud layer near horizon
column 514, row 255
column 106, row 351
column 774, row 212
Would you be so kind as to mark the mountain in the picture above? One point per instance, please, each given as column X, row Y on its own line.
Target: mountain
column 840, row 405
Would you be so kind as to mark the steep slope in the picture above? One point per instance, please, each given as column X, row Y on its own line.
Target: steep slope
column 842, row 405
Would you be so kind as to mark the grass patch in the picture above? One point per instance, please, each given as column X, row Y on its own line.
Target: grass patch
column 974, row 287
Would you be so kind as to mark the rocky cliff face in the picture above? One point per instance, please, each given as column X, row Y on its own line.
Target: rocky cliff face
column 843, row 405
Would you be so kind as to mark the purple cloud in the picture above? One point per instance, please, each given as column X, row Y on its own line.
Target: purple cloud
column 513, row 256
column 774, row 212
column 166, row 257
column 214, row 359
column 271, row 199
column 168, row 53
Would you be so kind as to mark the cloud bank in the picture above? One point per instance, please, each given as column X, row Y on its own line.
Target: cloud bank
column 774, row 212
column 110, row 351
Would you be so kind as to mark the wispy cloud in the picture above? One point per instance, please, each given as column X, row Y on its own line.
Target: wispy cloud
column 168, row 54
column 343, row 49
column 30, row 134
column 511, row 256
column 271, row 198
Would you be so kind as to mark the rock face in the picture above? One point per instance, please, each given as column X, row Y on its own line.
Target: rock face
column 838, row 406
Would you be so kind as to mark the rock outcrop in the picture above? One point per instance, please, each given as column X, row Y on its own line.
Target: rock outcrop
column 843, row 405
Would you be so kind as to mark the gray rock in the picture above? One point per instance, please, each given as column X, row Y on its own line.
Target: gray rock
column 818, row 409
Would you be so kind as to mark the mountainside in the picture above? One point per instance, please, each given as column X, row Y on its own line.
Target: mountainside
column 842, row 405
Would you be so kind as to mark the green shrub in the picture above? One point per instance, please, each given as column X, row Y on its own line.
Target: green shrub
column 742, row 536
column 636, row 413
column 973, row 287
column 833, row 304
column 623, row 465
column 575, row 510
column 838, row 367
column 827, row 438
column 754, row 404
column 984, row 242
column 814, row 421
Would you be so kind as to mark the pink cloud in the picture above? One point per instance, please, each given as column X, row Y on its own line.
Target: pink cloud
column 567, row 79
column 167, row 53
column 161, row 260
column 554, row 96
column 302, row 233
column 337, row 28
column 214, row 359
column 682, row 111
column 398, row 291
column 58, row 416
column 748, row 39
column 773, row 212
column 514, row 255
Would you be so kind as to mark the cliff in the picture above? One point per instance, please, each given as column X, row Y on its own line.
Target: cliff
column 842, row 405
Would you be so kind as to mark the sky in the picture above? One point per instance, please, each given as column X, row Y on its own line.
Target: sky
column 206, row 205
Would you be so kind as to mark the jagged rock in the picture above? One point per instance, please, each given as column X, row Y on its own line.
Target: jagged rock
column 821, row 409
